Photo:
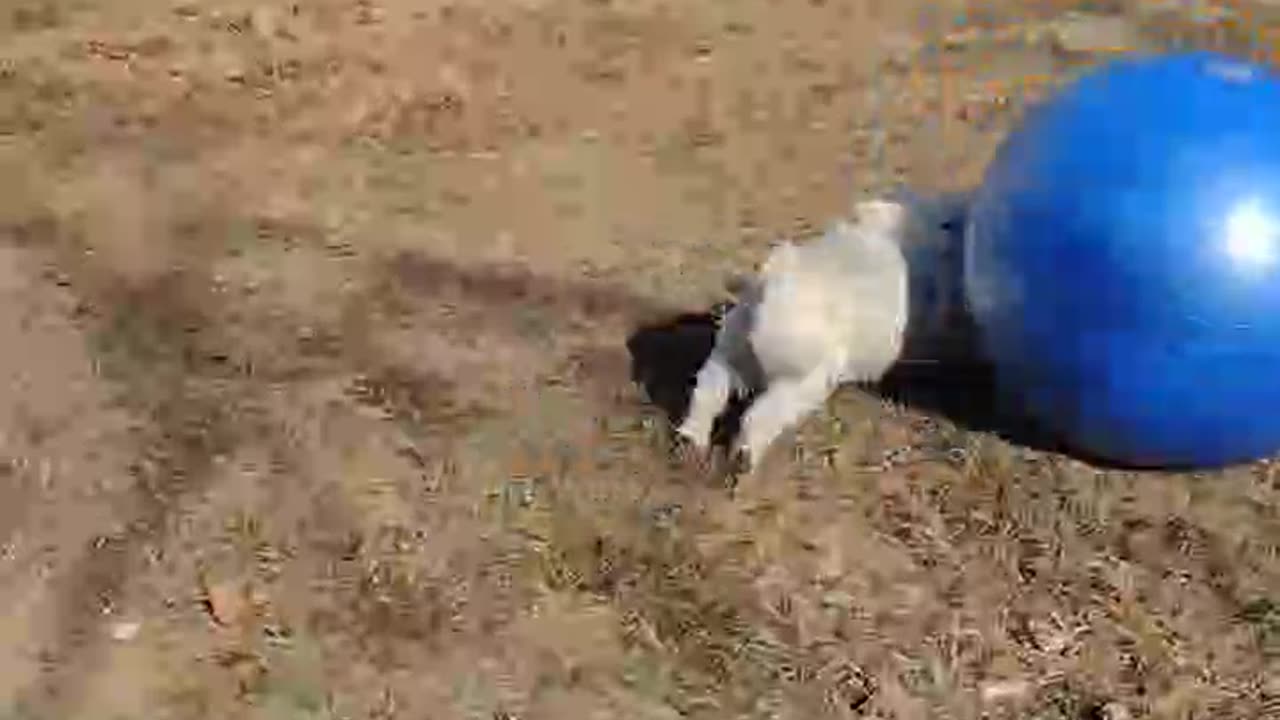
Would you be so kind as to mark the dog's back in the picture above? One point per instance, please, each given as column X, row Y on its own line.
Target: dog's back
column 840, row 299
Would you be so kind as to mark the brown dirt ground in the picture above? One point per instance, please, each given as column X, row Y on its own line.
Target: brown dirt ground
column 318, row 395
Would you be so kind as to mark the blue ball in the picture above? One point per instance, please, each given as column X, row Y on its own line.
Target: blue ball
column 1122, row 262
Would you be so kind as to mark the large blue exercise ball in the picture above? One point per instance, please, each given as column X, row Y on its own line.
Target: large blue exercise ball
column 1122, row 262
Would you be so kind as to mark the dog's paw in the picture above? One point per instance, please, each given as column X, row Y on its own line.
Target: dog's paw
column 735, row 466
column 686, row 452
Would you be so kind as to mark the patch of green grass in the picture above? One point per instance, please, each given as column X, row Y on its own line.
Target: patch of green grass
column 1263, row 615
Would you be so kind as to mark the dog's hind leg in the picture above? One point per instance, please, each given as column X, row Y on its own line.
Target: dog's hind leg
column 783, row 405
column 715, row 383
column 722, row 374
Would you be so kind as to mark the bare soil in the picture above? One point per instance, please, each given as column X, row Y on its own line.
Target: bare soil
column 322, row 327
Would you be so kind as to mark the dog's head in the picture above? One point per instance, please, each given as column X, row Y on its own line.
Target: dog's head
column 931, row 234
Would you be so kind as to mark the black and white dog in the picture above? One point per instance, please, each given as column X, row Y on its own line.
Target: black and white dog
column 844, row 307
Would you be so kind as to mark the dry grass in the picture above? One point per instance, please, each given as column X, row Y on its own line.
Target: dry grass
column 320, row 402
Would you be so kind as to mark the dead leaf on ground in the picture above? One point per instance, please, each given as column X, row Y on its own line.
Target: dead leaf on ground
column 228, row 603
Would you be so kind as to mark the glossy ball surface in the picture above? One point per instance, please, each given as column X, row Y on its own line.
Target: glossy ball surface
column 1122, row 262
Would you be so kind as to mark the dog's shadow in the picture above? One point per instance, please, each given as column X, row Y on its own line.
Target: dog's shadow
column 666, row 356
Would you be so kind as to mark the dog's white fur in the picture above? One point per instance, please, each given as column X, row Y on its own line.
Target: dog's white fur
column 823, row 313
